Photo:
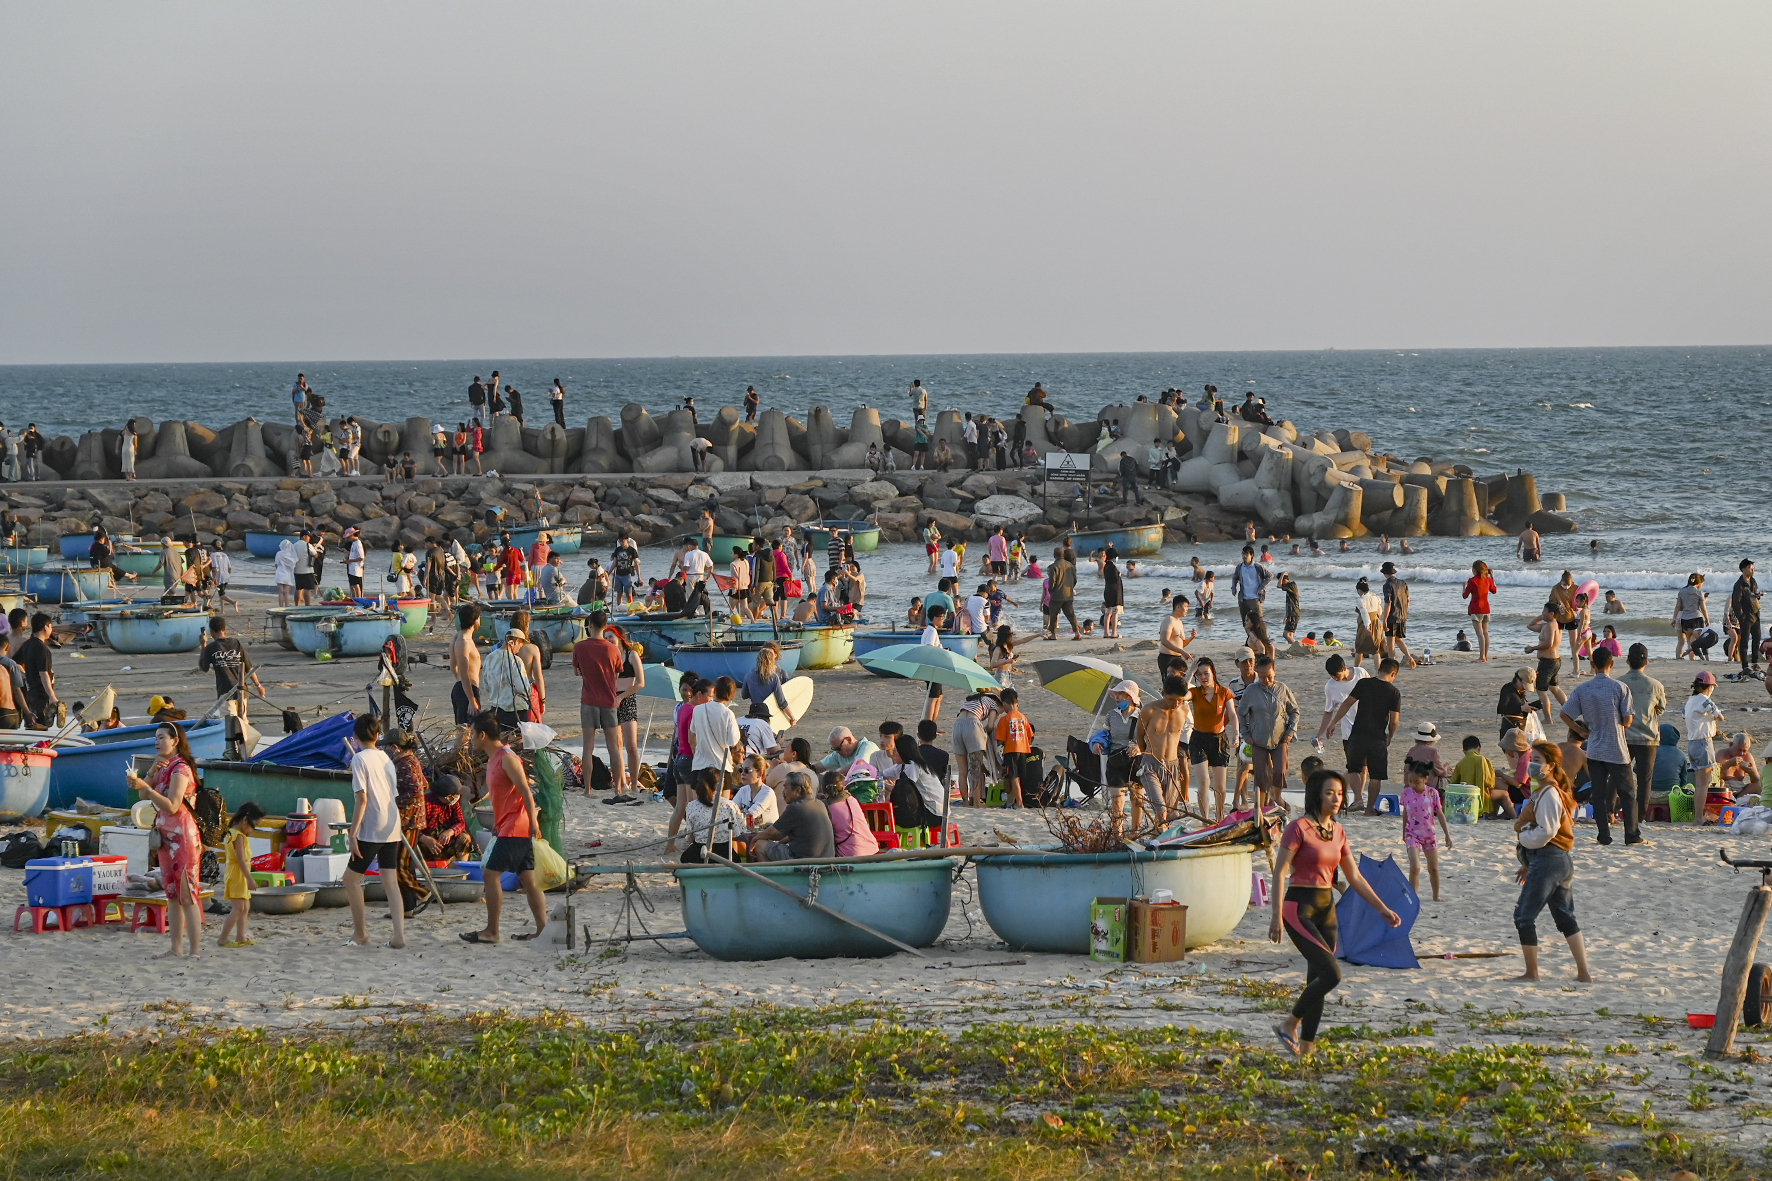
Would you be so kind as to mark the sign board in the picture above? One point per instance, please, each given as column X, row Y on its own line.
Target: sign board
column 1063, row 466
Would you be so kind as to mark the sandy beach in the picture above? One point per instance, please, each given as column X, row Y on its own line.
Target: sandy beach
column 1657, row 918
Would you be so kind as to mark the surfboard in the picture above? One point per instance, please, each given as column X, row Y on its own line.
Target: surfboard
column 799, row 694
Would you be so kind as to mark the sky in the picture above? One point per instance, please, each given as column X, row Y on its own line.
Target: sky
column 229, row 182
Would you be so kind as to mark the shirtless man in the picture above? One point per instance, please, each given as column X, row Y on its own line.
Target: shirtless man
column 1160, row 770
column 1173, row 638
column 464, row 662
column 1529, row 548
column 1550, row 659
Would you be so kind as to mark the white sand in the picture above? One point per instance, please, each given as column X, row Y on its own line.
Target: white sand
column 1658, row 921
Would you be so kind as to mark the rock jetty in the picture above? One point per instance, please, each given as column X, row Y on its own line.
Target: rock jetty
column 637, row 477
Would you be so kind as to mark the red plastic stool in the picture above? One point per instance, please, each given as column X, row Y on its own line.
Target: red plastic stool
column 935, row 836
column 1658, row 812
column 105, row 906
column 67, row 918
column 154, row 918
column 881, row 824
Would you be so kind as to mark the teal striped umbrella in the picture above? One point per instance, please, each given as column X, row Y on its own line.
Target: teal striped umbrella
column 661, row 682
column 925, row 662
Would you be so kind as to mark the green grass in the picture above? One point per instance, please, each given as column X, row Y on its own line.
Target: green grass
column 768, row 1093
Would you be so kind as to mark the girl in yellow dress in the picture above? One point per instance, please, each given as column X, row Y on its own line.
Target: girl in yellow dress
column 238, row 888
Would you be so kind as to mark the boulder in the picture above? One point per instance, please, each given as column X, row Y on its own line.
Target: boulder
column 946, row 522
column 873, row 491
column 799, row 508
column 998, row 509
column 205, row 502
column 380, row 532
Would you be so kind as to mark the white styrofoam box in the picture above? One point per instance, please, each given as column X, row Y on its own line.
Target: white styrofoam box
column 131, row 842
column 321, row 867
column 110, row 873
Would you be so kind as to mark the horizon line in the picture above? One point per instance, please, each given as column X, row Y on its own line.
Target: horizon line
column 1395, row 349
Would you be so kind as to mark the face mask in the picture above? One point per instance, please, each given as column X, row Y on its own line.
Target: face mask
column 1123, row 706
column 1535, row 769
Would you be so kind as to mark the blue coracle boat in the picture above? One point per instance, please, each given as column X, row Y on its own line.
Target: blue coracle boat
column 734, row 917
column 145, row 630
column 96, row 772
column 733, row 658
column 266, row 545
column 63, row 584
column 958, row 643
column 659, row 635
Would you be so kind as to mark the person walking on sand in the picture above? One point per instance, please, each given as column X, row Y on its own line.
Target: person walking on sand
column 1477, row 589
column 1546, row 828
column 1549, row 651
column 1396, row 614
column 518, row 824
column 1377, row 707
column 1702, row 719
column 1691, row 616
column 1643, row 736
column 1599, row 711
column 1744, row 604
column 375, row 832
column 1312, row 849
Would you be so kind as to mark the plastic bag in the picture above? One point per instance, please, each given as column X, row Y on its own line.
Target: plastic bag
column 550, row 868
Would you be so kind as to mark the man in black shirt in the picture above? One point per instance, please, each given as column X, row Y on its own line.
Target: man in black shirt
column 227, row 658
column 39, row 667
column 477, row 401
column 1380, row 706
column 934, row 756
column 32, row 445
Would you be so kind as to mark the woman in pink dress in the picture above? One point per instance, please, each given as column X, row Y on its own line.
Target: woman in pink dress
column 172, row 786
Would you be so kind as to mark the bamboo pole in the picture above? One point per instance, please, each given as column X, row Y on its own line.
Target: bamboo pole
column 1735, row 969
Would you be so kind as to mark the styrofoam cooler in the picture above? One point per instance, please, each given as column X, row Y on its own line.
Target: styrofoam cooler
column 131, row 842
column 318, row 868
column 58, row 881
column 110, row 874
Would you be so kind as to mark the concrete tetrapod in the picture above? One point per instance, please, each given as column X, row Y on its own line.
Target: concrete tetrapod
column 1339, row 518
column 246, row 452
column 599, row 454
column 504, row 449
column 172, row 458
column 774, row 449
column 640, row 434
column 673, row 452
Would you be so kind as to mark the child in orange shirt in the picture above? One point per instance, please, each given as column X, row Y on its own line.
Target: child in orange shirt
column 1015, row 738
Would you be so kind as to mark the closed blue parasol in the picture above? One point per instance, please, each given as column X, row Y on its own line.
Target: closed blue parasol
column 1365, row 937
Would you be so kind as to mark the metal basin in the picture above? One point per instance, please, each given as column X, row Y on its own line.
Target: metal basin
column 330, row 894
column 733, row 659
column 284, row 899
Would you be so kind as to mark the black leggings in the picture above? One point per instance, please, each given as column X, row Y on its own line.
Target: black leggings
column 1310, row 920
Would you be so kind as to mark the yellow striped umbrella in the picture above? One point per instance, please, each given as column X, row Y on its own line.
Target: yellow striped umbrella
column 1080, row 680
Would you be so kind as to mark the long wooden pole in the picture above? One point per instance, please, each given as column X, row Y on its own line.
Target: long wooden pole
column 1735, row 969
column 818, row 906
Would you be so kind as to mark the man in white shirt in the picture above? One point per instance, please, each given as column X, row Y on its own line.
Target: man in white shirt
column 713, row 731
column 354, row 562
column 974, row 609
column 1341, row 682
column 375, row 832
column 932, row 636
column 949, row 564
column 697, row 563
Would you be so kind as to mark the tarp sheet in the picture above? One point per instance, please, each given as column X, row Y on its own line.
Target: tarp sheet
column 319, row 745
column 1365, row 938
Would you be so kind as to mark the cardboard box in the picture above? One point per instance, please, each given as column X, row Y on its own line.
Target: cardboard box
column 1107, row 929
column 1158, row 932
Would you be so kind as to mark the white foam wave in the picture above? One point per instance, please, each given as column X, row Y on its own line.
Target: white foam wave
column 1305, row 568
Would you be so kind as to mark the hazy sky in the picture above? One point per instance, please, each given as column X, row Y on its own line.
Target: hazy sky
column 264, row 181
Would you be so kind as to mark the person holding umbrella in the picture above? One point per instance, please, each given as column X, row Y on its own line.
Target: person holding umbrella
column 1312, row 848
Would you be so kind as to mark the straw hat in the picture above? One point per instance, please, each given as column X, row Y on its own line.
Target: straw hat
column 1427, row 732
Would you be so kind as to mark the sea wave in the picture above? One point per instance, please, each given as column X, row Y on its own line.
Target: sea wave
column 1618, row 580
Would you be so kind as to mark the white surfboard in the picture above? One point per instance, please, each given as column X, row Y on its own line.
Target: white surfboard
column 799, row 694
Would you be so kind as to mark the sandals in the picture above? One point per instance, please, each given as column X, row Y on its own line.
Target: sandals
column 1286, row 1039
column 474, row 937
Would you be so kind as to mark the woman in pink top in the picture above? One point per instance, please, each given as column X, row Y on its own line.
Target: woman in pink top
column 1477, row 589
column 172, row 786
column 849, row 824
column 1312, row 848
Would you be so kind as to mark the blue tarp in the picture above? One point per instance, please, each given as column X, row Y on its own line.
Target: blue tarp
column 319, row 745
column 1364, row 938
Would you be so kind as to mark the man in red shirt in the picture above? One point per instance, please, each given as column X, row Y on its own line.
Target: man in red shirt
column 598, row 662
column 511, row 560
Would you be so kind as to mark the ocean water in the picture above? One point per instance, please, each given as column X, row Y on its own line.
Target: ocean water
column 1659, row 450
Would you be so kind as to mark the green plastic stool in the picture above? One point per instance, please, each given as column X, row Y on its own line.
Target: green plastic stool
column 913, row 838
column 994, row 795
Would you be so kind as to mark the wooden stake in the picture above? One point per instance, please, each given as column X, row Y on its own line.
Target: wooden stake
column 1735, row 969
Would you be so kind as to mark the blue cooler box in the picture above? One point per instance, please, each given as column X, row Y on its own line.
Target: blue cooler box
column 58, row 881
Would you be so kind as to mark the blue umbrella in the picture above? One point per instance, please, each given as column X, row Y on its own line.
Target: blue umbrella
column 926, row 662
column 661, row 682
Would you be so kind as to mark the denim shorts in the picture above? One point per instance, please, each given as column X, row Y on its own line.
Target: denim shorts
column 1702, row 752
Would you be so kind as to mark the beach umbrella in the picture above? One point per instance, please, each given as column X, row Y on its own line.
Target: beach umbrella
column 1364, row 936
column 1081, row 680
column 926, row 662
column 661, row 681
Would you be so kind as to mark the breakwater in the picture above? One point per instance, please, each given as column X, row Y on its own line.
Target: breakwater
column 639, row 476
